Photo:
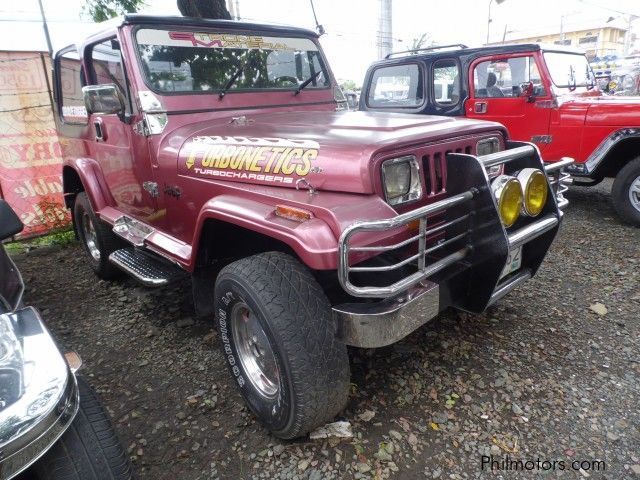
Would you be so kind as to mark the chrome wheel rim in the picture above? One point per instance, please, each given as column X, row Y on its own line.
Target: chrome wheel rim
column 634, row 193
column 254, row 351
column 90, row 237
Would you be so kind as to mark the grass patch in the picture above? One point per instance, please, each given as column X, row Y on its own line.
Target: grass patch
column 61, row 237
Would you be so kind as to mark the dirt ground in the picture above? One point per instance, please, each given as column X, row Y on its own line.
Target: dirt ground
column 547, row 376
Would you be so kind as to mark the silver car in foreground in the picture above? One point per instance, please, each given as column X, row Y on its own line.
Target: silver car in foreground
column 40, row 396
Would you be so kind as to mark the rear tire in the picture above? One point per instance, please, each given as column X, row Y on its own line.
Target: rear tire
column 278, row 338
column 97, row 238
column 626, row 193
column 89, row 449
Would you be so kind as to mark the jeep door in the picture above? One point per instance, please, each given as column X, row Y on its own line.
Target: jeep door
column 122, row 154
column 510, row 90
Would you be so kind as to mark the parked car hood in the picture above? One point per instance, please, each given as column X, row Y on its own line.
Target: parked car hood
column 331, row 150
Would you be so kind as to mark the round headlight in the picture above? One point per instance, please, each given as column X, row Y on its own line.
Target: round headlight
column 508, row 194
column 627, row 82
column 534, row 189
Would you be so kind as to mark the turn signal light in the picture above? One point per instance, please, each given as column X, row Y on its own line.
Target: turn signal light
column 509, row 198
column 534, row 189
column 293, row 213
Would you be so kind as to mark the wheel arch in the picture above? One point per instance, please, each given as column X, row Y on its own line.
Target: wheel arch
column 229, row 225
column 617, row 156
column 85, row 175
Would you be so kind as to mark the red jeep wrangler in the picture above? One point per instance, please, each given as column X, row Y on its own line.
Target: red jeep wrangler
column 544, row 95
column 216, row 148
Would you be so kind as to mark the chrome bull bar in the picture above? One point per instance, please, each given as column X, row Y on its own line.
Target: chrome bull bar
column 559, row 179
column 463, row 205
column 424, row 270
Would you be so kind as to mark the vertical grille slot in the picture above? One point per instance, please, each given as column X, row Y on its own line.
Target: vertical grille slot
column 439, row 172
column 435, row 174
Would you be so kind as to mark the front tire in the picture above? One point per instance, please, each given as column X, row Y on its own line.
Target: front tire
column 279, row 341
column 96, row 237
column 626, row 193
column 89, row 449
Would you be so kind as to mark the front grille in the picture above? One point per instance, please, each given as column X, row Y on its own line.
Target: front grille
column 434, row 162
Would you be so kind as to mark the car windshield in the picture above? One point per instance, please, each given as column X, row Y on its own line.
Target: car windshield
column 188, row 61
column 569, row 69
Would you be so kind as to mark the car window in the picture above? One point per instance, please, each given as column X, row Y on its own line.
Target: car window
column 106, row 65
column 183, row 61
column 504, row 77
column 71, row 81
column 399, row 86
column 446, row 82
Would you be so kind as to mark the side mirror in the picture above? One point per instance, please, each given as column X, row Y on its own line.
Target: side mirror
column 103, row 99
column 526, row 90
column 10, row 224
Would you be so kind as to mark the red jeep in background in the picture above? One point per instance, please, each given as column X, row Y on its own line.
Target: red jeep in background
column 217, row 149
column 544, row 95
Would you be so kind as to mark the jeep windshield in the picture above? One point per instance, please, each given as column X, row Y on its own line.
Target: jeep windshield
column 569, row 69
column 194, row 62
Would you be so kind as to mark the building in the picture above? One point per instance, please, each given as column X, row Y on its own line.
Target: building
column 596, row 39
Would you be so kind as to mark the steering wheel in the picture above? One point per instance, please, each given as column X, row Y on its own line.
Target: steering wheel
column 292, row 81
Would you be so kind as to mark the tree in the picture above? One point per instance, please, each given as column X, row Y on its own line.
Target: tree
column 101, row 10
column 204, row 9
column 348, row 85
column 423, row 41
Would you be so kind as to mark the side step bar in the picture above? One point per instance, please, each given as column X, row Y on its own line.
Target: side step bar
column 147, row 268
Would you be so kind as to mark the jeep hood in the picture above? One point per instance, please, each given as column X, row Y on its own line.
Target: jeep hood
column 611, row 110
column 330, row 150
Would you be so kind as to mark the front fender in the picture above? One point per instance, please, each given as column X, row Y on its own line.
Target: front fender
column 315, row 241
column 92, row 179
column 597, row 158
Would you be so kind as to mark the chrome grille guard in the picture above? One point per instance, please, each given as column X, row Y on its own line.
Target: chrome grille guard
column 559, row 179
column 483, row 243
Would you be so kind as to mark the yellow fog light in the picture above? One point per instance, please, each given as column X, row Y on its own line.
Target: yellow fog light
column 508, row 194
column 534, row 188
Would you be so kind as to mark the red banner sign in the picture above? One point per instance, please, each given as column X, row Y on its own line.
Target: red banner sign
column 30, row 157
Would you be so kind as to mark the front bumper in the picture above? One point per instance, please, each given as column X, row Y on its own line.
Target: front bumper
column 463, row 268
column 38, row 392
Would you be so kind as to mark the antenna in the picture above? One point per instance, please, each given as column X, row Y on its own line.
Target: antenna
column 319, row 27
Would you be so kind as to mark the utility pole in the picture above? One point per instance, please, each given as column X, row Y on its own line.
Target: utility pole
column 498, row 2
column 46, row 29
column 232, row 9
column 627, row 35
column 385, row 32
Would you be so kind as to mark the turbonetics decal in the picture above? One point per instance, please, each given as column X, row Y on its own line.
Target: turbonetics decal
column 270, row 160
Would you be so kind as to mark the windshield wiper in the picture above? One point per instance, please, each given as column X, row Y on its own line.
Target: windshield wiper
column 231, row 81
column 307, row 82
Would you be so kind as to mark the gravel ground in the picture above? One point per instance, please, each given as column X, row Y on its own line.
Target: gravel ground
column 551, row 373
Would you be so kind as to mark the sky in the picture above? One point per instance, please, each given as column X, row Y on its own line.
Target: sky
column 351, row 26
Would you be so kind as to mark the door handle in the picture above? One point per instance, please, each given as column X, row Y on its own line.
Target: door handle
column 100, row 133
column 480, row 107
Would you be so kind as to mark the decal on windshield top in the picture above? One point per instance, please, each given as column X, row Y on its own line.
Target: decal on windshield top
column 214, row 40
column 271, row 160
